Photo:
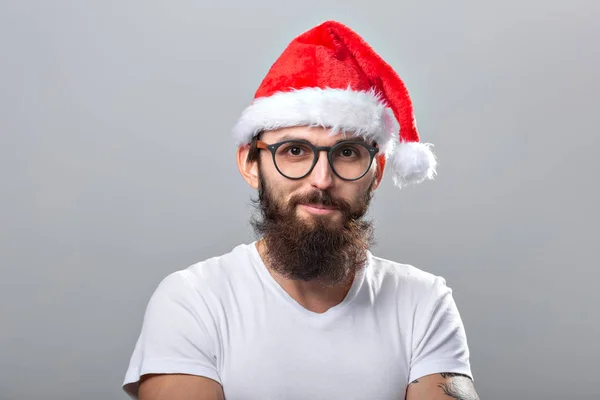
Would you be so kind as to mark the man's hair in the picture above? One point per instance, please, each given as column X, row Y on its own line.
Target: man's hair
column 253, row 152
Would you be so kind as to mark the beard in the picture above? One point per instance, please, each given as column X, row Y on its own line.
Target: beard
column 322, row 250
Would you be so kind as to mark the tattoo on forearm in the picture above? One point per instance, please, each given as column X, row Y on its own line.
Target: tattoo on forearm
column 460, row 387
column 452, row 375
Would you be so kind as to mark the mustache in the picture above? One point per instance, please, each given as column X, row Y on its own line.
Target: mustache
column 319, row 197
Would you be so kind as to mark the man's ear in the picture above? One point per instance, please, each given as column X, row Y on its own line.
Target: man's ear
column 248, row 169
column 380, row 167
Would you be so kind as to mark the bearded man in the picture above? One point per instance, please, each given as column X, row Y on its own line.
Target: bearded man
column 307, row 311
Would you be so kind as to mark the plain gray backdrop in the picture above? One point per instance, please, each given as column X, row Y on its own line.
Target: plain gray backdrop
column 118, row 167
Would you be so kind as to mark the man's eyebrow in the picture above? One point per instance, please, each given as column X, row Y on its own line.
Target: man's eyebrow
column 292, row 137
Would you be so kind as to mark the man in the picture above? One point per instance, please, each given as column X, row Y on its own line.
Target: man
column 307, row 311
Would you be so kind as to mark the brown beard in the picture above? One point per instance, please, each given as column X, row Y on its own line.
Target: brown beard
column 322, row 252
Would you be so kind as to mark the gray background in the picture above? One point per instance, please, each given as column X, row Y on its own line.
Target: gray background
column 117, row 167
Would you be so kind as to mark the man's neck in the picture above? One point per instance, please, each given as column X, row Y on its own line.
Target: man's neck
column 310, row 295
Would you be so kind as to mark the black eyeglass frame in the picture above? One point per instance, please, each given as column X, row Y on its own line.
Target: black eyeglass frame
column 316, row 152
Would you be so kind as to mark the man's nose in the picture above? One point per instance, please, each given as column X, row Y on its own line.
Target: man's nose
column 322, row 176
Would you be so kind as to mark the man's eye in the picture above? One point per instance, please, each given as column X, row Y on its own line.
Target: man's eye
column 294, row 150
column 348, row 152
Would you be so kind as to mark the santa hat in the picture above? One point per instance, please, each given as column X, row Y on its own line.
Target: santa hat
column 330, row 77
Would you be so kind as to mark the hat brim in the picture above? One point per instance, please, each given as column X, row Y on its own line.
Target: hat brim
column 357, row 113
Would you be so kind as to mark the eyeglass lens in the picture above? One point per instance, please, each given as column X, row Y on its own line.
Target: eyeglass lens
column 348, row 160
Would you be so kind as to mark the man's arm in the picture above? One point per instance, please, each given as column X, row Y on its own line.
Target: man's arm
column 179, row 387
column 444, row 386
column 175, row 354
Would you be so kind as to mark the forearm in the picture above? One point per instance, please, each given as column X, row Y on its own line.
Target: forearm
column 444, row 386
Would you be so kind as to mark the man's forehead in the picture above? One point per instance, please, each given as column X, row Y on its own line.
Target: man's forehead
column 316, row 135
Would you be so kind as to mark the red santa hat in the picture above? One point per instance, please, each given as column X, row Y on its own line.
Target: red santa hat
column 330, row 77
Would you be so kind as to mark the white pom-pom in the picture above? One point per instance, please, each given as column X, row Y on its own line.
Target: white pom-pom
column 412, row 162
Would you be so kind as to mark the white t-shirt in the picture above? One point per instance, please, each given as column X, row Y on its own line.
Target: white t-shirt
column 227, row 319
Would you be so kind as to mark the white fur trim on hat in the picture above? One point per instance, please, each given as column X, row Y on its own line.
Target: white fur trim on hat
column 360, row 113
column 412, row 162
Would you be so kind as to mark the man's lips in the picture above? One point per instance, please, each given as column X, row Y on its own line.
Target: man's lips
column 313, row 205
column 318, row 208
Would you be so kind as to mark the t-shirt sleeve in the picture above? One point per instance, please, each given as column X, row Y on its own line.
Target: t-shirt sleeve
column 439, row 339
column 177, row 335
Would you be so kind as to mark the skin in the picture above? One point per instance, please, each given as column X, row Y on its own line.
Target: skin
column 311, row 296
column 444, row 386
column 179, row 387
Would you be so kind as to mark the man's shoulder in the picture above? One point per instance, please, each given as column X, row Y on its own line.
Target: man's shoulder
column 404, row 277
column 213, row 273
column 400, row 270
column 235, row 261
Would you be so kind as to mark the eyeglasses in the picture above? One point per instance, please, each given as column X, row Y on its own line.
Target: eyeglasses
column 295, row 159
